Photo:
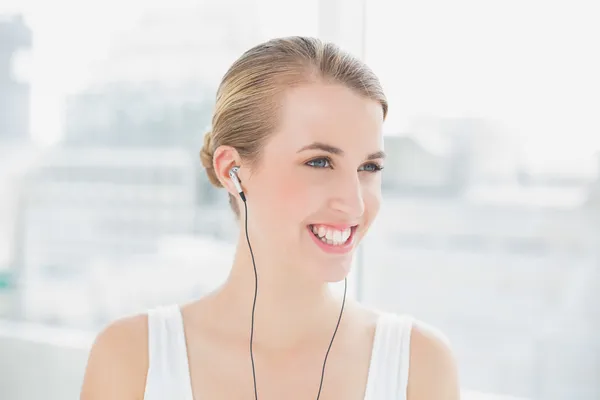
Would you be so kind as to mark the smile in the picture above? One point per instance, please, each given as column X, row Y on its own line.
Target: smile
column 333, row 239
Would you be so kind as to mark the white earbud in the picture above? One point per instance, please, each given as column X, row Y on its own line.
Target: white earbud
column 236, row 181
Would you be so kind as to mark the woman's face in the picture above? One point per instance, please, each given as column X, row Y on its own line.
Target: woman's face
column 317, row 187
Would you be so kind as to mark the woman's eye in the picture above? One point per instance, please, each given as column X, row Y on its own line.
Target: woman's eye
column 319, row 163
column 325, row 162
column 371, row 167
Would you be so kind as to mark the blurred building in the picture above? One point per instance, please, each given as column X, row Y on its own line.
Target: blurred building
column 128, row 114
column 156, row 87
column 15, row 160
column 15, row 36
column 191, row 40
column 445, row 156
column 594, row 193
column 508, row 273
column 144, row 116
column 504, row 261
column 413, row 168
column 82, row 204
column 183, row 268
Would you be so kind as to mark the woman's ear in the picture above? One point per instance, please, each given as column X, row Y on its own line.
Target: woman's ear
column 225, row 158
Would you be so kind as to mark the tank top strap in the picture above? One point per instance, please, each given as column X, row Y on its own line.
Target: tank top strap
column 390, row 358
column 168, row 367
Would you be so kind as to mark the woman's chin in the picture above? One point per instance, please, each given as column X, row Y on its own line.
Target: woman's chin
column 334, row 273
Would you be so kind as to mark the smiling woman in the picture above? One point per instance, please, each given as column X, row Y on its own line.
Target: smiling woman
column 299, row 123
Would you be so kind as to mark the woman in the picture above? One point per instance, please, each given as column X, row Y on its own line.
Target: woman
column 297, row 129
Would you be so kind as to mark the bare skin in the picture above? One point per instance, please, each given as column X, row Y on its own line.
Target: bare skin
column 291, row 189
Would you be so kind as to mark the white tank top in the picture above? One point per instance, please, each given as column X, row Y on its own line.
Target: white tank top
column 169, row 377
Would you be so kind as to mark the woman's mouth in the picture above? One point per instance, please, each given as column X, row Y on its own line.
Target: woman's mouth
column 333, row 239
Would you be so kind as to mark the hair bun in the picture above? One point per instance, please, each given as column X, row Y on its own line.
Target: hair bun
column 206, row 156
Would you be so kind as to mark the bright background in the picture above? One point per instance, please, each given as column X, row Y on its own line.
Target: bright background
column 490, row 228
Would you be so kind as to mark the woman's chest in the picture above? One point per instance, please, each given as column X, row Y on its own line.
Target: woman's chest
column 226, row 373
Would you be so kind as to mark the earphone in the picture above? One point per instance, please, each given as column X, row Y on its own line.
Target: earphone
column 233, row 175
column 236, row 182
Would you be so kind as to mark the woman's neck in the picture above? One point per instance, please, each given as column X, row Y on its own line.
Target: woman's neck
column 290, row 308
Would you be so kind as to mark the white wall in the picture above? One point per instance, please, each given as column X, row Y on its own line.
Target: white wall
column 38, row 363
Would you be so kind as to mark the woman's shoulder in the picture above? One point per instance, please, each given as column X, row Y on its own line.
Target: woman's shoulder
column 433, row 371
column 424, row 337
column 118, row 360
column 431, row 366
column 129, row 333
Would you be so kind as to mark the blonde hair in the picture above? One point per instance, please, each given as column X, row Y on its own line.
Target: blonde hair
column 247, row 99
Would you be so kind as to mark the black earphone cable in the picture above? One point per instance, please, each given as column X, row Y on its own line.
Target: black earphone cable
column 333, row 337
column 255, row 295
column 243, row 197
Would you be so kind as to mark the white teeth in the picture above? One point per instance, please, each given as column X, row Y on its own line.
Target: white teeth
column 322, row 231
column 331, row 236
column 337, row 236
column 346, row 234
